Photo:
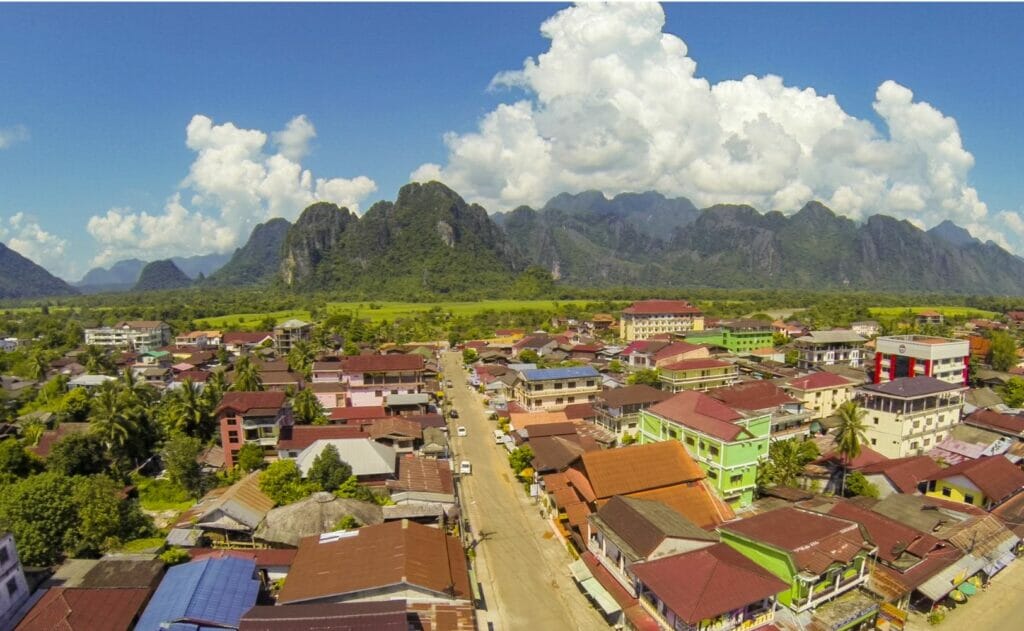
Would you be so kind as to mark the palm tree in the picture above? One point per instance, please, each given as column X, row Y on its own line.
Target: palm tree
column 786, row 462
column 96, row 360
column 850, row 434
column 307, row 408
column 247, row 376
column 300, row 358
column 110, row 417
column 190, row 413
column 38, row 366
column 215, row 387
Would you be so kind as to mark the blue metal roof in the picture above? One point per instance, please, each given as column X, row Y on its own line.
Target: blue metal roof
column 573, row 372
column 211, row 591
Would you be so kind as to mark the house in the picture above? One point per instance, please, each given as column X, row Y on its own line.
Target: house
column 1011, row 425
column 928, row 318
column 423, row 480
column 229, row 512
column 618, row 409
column 985, row 482
column 407, row 404
column 239, row 342
column 134, row 334
column 50, row 437
column 714, row 587
column 827, row 348
column 626, row 531
column 817, row 556
column 388, row 615
column 554, row 388
column 698, row 374
column 14, row 591
column 899, row 475
column 312, row 516
column 327, row 372
column 909, row 415
column 195, row 595
column 246, row 417
column 820, row 392
column 290, row 332
column 789, row 418
column 866, row 328
column 399, row 559
column 371, row 378
column 727, row 444
column 89, row 382
column 330, row 395
column 371, row 462
column 357, row 415
column 294, row 438
column 201, row 339
column 943, row 358
column 395, row 431
column 647, row 318
column 540, row 343
column 649, row 354
column 736, row 336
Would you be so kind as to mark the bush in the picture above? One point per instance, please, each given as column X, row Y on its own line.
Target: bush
column 936, row 617
column 174, row 556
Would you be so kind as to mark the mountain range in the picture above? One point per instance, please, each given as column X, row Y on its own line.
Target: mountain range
column 123, row 275
column 21, row 278
column 431, row 242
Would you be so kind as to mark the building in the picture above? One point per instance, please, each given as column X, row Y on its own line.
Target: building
column 246, row 417
column 715, row 587
column 648, row 354
column 928, row 318
column 698, row 374
column 618, row 409
column 866, row 328
column 900, row 475
column 289, row 332
column 828, row 348
column 944, row 358
column 985, row 482
column 210, row 593
column 551, row 389
column 370, row 379
column 817, row 556
column 141, row 335
column 371, row 462
column 647, row 318
column 821, row 392
column 754, row 398
column 736, row 336
column 726, row 443
column 399, row 559
column 910, row 415
column 229, row 513
column 13, row 587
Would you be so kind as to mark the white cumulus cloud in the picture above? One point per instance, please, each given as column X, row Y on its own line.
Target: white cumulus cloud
column 13, row 135
column 616, row 104
column 24, row 235
column 234, row 182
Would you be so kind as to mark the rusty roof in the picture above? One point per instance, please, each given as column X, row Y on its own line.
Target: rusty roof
column 818, row 381
column 77, row 609
column 904, row 473
column 423, row 474
column 382, row 363
column 657, row 307
column 243, row 502
column 378, row 557
column 638, row 468
column 693, row 500
column 387, row 615
column 642, row 525
column 638, row 394
column 752, row 395
column 395, row 426
column 997, row 477
column 245, row 401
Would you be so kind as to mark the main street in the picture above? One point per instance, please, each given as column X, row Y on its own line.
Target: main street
column 522, row 566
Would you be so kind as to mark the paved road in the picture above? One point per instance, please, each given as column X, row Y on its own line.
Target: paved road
column 523, row 568
column 996, row 608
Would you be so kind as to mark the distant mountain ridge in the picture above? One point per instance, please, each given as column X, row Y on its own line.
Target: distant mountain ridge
column 122, row 275
column 21, row 278
column 161, row 275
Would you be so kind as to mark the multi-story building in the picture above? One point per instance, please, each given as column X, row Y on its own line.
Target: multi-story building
column 289, row 332
column 13, row 587
column 618, row 409
column 247, row 417
column 726, row 443
column 736, row 336
column 829, row 348
column 370, row 379
column 821, row 392
column 139, row 335
column 698, row 374
column 899, row 356
column 910, row 415
column 646, row 318
column 788, row 417
column 551, row 389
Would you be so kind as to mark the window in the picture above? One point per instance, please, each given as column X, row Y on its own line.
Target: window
column 5, row 556
column 233, row 437
column 969, row 499
column 689, row 440
column 946, row 492
column 713, row 474
column 736, row 479
column 558, row 386
column 558, row 401
column 876, row 420
column 572, row 384
column 714, row 450
column 673, row 433
column 874, row 442
column 572, row 399
column 12, row 586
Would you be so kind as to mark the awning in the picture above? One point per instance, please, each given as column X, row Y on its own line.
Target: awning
column 967, row 588
column 581, row 573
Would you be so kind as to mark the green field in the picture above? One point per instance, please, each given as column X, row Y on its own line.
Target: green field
column 949, row 312
column 251, row 320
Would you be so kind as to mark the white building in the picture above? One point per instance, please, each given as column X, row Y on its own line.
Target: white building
column 910, row 415
column 647, row 318
column 829, row 348
column 944, row 358
column 140, row 335
column 13, row 587
column 552, row 389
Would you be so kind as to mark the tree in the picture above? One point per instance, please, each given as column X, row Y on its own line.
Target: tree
column 527, row 356
column 282, row 482
column 647, row 376
column 250, row 457
column 347, row 522
column 300, row 357
column 307, row 408
column 74, row 406
column 16, row 460
column 39, row 512
column 786, row 461
column 247, row 376
column 792, row 357
column 469, row 355
column 857, row 484
column 175, row 556
column 329, row 471
column 850, row 434
column 96, row 361
column 38, row 366
column 520, row 458
column 1004, row 351
column 181, row 459
column 188, row 412
column 78, row 454
column 615, row 367
column 97, row 506
column 111, row 419
column 1013, row 392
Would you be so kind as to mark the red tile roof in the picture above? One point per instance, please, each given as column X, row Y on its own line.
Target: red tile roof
column 245, row 401
column 355, row 413
column 753, row 395
column 298, row 437
column 702, row 413
column 655, row 307
column 76, row 609
column 814, row 541
column 579, row 410
column 382, row 363
column 1011, row 423
column 866, row 458
column 819, row 380
column 707, row 583
column 997, row 477
column 378, row 557
column 263, row 557
column 246, row 337
column 904, row 473
column 891, row 537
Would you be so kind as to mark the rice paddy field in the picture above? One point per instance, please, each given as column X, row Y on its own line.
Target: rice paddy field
column 948, row 312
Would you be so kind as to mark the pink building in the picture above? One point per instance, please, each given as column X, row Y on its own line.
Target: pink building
column 371, row 378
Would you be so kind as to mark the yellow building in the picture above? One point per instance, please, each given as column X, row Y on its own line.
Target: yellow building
column 986, row 482
column 698, row 374
column 647, row 318
column 821, row 392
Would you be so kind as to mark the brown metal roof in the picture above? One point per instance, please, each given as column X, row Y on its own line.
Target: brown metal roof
column 639, row 468
column 657, row 307
column 388, row 615
column 378, row 557
column 245, row 401
column 382, row 363
column 77, row 609
column 997, row 477
column 423, row 474
column 701, row 412
column 633, row 395
column 644, row 524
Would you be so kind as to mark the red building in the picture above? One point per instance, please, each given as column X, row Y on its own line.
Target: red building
column 246, row 417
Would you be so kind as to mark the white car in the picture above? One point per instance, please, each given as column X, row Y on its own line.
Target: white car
column 461, row 431
column 465, row 468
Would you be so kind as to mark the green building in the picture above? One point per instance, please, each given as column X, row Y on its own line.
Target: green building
column 819, row 556
column 727, row 444
column 738, row 336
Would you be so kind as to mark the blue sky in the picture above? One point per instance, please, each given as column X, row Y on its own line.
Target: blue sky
column 95, row 101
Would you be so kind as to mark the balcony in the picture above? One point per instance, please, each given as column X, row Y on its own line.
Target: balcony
column 552, row 392
column 825, row 591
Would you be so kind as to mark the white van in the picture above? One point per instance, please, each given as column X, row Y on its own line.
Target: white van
column 465, row 468
column 499, row 437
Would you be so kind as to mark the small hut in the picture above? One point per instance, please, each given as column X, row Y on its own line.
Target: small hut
column 315, row 515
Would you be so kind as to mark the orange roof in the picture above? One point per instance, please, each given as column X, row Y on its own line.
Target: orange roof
column 638, row 468
column 522, row 420
column 695, row 502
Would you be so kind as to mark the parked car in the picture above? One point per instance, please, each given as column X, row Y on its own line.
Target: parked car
column 461, row 431
column 448, row 383
column 453, row 414
column 499, row 436
column 465, row 468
